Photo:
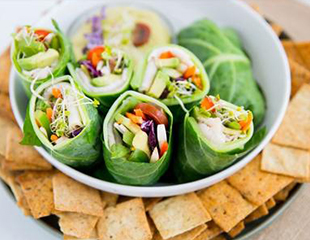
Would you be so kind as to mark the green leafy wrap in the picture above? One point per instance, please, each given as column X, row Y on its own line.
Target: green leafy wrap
column 212, row 137
column 228, row 67
column 65, row 122
column 38, row 54
column 137, row 134
column 104, row 74
column 175, row 76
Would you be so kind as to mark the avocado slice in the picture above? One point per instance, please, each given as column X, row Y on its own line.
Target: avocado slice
column 128, row 137
column 42, row 119
column 39, row 60
column 55, row 44
column 105, row 80
column 140, row 141
column 134, row 128
column 29, row 47
column 171, row 72
column 159, row 84
column 138, row 156
column 168, row 62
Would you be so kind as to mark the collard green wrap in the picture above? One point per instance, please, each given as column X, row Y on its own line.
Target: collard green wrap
column 228, row 67
column 123, row 170
column 32, row 46
column 106, row 94
column 174, row 104
column 197, row 157
column 78, row 151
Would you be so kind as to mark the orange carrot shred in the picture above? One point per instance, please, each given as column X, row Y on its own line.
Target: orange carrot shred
column 139, row 113
column 49, row 113
column 189, row 72
column 134, row 118
column 56, row 93
column 197, row 81
column 54, row 138
column 207, row 104
column 163, row 148
column 166, row 55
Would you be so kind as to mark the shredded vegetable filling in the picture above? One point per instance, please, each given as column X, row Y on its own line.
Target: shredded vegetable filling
column 58, row 112
column 221, row 122
column 104, row 69
column 143, row 133
column 38, row 52
column 170, row 72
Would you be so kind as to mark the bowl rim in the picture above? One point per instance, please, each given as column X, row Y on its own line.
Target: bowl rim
column 175, row 189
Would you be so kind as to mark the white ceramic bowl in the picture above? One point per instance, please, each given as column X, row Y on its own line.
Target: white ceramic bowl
column 270, row 68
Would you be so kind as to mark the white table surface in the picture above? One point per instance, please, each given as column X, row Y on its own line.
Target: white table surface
column 13, row 224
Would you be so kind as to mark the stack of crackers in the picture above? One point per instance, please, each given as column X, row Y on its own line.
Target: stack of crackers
column 216, row 212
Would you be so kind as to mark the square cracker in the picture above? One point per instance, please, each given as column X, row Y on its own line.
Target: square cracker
column 226, row 205
column 211, row 232
column 5, row 67
column 299, row 74
column 108, row 199
column 149, row 203
column 9, row 178
column 178, row 214
column 292, row 52
column 19, row 166
column 77, row 224
column 5, row 127
column 270, row 203
column 190, row 235
column 285, row 160
column 304, row 50
column 93, row 236
column 237, row 229
column 21, row 154
column 295, row 128
column 258, row 213
column 38, row 191
column 5, row 106
column 256, row 185
column 125, row 221
column 284, row 193
column 72, row 196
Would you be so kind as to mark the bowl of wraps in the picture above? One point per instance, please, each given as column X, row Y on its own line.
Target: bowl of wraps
column 140, row 100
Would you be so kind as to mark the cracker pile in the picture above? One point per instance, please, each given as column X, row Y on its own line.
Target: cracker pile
column 218, row 211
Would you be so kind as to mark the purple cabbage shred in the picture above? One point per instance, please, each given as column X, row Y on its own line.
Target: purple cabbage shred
column 77, row 132
column 95, row 38
column 90, row 68
column 149, row 127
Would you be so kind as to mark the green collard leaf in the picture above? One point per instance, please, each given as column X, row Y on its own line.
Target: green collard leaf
column 228, row 67
column 134, row 168
column 195, row 157
column 30, row 137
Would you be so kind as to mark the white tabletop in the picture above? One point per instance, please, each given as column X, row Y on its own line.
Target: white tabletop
column 13, row 224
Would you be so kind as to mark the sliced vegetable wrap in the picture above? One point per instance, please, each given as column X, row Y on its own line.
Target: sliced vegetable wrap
column 38, row 54
column 137, row 139
column 173, row 75
column 104, row 74
column 212, row 137
column 227, row 65
column 62, row 119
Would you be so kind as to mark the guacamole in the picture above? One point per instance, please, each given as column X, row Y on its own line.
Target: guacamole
column 130, row 29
